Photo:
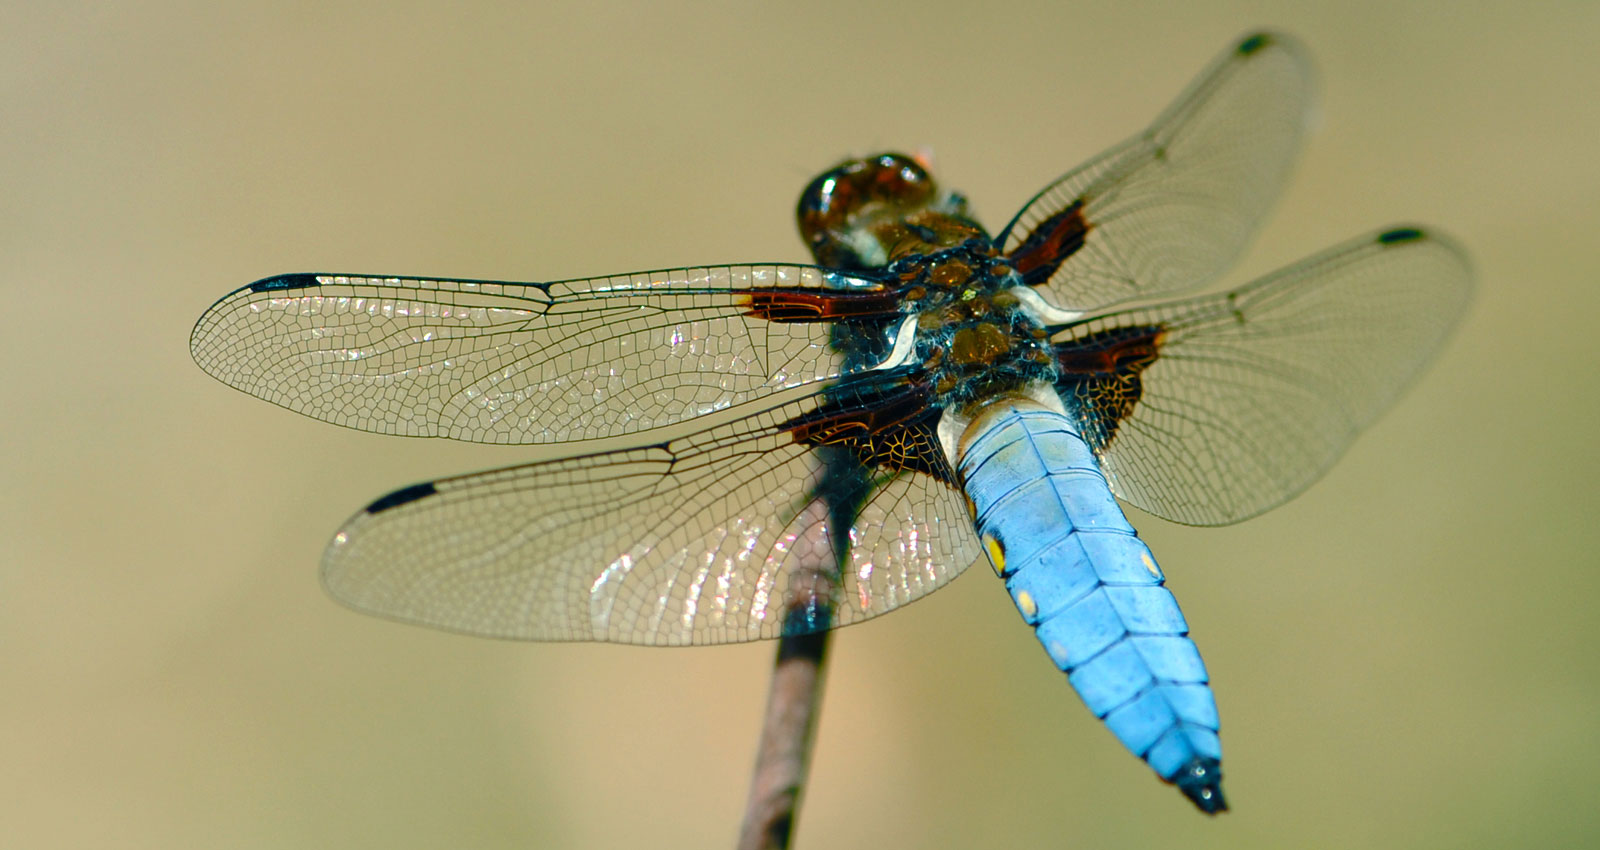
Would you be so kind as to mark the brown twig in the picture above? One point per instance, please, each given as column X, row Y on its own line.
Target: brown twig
column 784, row 754
column 812, row 587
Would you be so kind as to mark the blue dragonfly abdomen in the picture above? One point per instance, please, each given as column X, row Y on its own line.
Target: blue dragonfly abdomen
column 1080, row 575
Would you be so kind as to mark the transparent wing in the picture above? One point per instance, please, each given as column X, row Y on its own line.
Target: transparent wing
column 1254, row 393
column 699, row 540
column 498, row 362
column 1171, row 208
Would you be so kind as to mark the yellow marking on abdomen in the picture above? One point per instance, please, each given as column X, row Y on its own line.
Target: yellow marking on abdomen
column 997, row 554
column 1026, row 605
column 1149, row 564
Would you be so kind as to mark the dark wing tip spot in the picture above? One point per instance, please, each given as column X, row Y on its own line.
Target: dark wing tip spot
column 285, row 281
column 1254, row 42
column 402, row 496
column 1400, row 234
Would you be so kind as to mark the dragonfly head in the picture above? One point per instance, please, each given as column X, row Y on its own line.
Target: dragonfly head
column 865, row 213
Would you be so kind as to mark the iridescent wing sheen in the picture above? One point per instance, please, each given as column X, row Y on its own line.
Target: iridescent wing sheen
column 1211, row 410
column 1171, row 208
column 703, row 539
column 497, row 362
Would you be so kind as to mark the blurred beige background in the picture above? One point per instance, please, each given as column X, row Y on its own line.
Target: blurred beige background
column 1405, row 657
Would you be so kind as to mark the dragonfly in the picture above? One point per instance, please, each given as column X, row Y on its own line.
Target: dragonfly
column 766, row 450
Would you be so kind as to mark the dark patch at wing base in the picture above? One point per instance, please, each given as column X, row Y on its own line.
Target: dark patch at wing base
column 1050, row 244
column 402, row 496
column 893, row 431
column 810, row 305
column 1100, row 373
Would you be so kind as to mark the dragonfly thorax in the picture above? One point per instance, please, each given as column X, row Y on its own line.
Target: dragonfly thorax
column 975, row 338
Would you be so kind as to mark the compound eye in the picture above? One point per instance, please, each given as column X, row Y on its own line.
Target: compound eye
column 843, row 198
column 900, row 180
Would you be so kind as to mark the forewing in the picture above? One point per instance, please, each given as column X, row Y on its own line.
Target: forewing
column 704, row 539
column 1172, row 207
column 1251, row 395
column 498, row 362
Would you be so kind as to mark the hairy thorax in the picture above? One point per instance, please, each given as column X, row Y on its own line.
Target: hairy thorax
column 975, row 335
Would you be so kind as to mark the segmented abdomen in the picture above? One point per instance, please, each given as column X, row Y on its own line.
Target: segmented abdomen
column 1089, row 586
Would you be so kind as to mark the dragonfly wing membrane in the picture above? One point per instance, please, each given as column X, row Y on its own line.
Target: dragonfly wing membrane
column 704, row 539
column 1171, row 208
column 1256, row 392
column 498, row 362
